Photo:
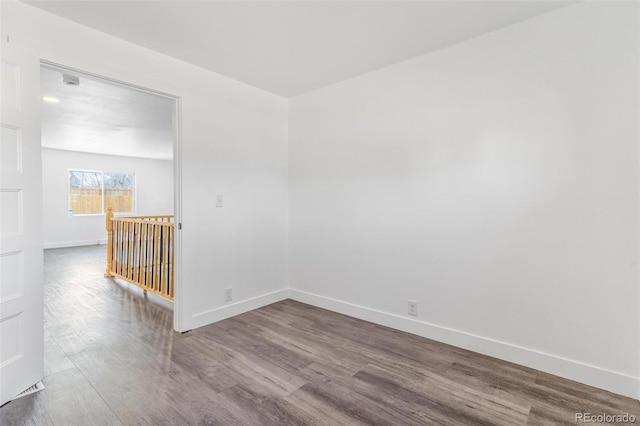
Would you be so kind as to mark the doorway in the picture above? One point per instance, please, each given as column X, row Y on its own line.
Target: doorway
column 109, row 146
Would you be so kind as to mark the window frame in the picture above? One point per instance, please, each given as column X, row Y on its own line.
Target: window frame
column 134, row 203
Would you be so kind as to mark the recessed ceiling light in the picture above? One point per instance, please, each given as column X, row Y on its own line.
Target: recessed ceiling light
column 50, row 99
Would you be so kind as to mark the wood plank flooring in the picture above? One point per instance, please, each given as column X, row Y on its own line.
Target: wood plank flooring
column 112, row 358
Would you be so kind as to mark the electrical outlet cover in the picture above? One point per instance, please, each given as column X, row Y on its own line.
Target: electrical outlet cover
column 412, row 308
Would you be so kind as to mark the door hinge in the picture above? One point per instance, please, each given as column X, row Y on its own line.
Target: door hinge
column 179, row 225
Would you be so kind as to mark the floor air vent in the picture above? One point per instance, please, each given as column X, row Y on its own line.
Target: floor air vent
column 33, row 389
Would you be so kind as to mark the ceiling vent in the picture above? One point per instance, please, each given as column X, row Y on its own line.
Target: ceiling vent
column 70, row 80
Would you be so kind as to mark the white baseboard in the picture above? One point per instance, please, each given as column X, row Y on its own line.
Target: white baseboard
column 64, row 244
column 592, row 375
column 233, row 309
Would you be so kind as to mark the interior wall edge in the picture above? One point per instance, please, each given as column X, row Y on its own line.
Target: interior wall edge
column 592, row 375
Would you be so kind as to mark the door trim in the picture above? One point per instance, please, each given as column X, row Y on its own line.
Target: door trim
column 178, row 301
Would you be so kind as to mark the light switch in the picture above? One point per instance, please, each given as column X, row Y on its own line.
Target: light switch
column 219, row 200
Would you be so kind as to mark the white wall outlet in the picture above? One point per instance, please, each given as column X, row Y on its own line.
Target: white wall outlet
column 413, row 308
column 228, row 295
column 219, row 200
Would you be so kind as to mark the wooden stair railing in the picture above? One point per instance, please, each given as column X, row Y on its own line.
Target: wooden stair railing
column 140, row 250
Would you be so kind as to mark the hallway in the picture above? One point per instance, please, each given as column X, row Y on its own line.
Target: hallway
column 112, row 358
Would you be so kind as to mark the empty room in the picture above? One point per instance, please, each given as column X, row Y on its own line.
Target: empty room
column 369, row 212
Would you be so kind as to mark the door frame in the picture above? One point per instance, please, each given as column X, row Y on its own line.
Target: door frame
column 178, row 297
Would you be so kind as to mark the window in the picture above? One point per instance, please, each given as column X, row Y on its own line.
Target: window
column 118, row 192
column 91, row 192
column 85, row 192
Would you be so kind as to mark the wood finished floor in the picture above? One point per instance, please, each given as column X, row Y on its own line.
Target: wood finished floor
column 112, row 358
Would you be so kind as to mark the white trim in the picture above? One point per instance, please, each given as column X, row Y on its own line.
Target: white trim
column 64, row 244
column 59, row 67
column 228, row 311
column 178, row 297
column 613, row 381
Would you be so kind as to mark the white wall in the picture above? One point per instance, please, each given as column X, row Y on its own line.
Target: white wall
column 496, row 183
column 153, row 193
column 234, row 142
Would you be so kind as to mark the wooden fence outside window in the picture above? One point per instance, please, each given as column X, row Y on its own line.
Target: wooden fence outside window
column 89, row 201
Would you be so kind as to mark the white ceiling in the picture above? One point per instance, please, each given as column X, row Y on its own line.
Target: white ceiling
column 102, row 118
column 291, row 47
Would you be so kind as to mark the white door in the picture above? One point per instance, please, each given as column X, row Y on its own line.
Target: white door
column 21, row 295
